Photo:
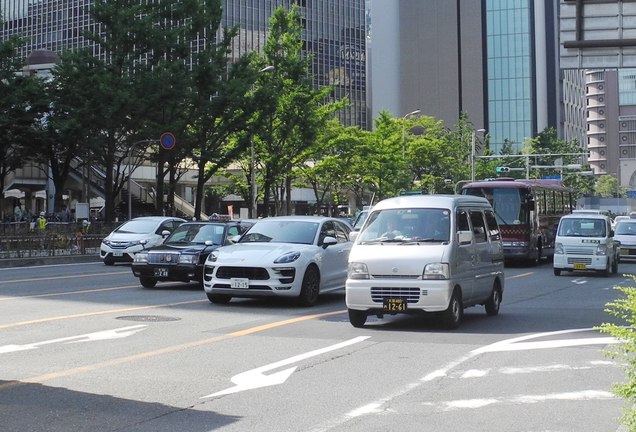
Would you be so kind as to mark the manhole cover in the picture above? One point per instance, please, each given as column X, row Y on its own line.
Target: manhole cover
column 148, row 318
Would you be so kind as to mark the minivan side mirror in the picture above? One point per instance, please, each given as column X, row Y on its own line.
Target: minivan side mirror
column 464, row 237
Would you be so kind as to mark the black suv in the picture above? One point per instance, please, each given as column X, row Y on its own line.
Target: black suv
column 182, row 255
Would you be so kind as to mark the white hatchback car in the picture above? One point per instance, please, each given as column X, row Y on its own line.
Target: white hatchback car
column 137, row 234
column 286, row 256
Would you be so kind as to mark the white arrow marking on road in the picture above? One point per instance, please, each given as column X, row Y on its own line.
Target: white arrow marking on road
column 579, row 281
column 89, row 337
column 255, row 378
column 519, row 343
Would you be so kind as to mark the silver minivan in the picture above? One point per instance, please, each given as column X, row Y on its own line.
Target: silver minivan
column 426, row 253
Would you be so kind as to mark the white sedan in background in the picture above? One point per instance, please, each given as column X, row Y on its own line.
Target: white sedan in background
column 133, row 236
column 281, row 256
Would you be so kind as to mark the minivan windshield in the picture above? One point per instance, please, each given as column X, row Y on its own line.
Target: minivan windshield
column 414, row 225
column 582, row 227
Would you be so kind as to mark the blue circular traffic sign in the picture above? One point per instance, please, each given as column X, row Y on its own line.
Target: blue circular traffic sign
column 167, row 140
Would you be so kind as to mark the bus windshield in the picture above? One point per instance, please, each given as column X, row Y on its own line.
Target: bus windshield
column 506, row 202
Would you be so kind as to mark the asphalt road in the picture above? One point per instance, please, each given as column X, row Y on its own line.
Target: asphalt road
column 83, row 347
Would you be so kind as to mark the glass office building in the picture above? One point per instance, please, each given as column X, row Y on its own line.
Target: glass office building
column 333, row 36
column 523, row 74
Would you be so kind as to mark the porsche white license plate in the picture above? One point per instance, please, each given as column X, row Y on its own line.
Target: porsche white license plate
column 239, row 283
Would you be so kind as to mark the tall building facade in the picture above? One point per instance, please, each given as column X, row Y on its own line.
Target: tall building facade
column 427, row 55
column 523, row 70
column 495, row 60
column 611, row 124
column 333, row 36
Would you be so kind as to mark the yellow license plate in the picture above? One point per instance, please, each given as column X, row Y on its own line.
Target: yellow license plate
column 394, row 304
column 579, row 266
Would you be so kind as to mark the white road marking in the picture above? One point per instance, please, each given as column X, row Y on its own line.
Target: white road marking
column 524, row 399
column 256, row 378
column 89, row 337
column 376, row 406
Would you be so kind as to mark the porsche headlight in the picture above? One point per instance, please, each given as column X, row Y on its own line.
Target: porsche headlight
column 188, row 259
column 287, row 258
column 212, row 257
column 357, row 270
column 436, row 271
column 141, row 257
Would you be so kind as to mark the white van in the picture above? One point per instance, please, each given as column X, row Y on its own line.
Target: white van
column 426, row 253
column 585, row 241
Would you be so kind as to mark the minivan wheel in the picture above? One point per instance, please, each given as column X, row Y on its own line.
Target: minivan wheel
column 357, row 318
column 452, row 316
column 493, row 303
column 615, row 266
column 148, row 282
column 557, row 272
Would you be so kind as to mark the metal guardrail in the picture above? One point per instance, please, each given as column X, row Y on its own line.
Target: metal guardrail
column 49, row 244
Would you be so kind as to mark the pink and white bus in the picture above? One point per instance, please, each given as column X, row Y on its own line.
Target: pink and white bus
column 528, row 213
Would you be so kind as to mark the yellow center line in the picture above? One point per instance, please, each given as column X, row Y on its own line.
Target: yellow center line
column 63, row 277
column 68, row 293
column 104, row 312
column 170, row 349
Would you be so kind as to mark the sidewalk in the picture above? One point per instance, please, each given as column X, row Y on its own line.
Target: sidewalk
column 48, row 260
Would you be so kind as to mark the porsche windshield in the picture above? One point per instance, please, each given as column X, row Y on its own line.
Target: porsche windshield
column 279, row 231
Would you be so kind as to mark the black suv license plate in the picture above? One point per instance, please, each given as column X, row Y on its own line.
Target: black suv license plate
column 394, row 304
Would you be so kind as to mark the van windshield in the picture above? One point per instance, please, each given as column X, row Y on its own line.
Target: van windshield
column 582, row 227
column 407, row 226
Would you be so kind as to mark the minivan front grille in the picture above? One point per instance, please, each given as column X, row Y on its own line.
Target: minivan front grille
column 412, row 295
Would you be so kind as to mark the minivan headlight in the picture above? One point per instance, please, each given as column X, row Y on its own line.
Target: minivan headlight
column 601, row 249
column 436, row 271
column 357, row 271
column 558, row 248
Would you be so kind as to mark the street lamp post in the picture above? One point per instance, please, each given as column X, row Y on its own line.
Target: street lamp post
column 130, row 153
column 417, row 111
column 472, row 152
column 253, row 190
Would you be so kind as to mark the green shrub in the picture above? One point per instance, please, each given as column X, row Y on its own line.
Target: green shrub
column 624, row 309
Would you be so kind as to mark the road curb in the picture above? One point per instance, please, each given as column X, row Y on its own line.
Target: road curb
column 48, row 260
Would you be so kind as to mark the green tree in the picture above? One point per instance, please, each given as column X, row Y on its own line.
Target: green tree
column 287, row 126
column 218, row 102
column 119, row 83
column 327, row 164
column 607, row 186
column 19, row 116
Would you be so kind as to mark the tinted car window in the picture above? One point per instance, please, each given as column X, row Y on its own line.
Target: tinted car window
column 479, row 230
column 342, row 232
column 493, row 228
column 282, row 231
column 137, row 227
